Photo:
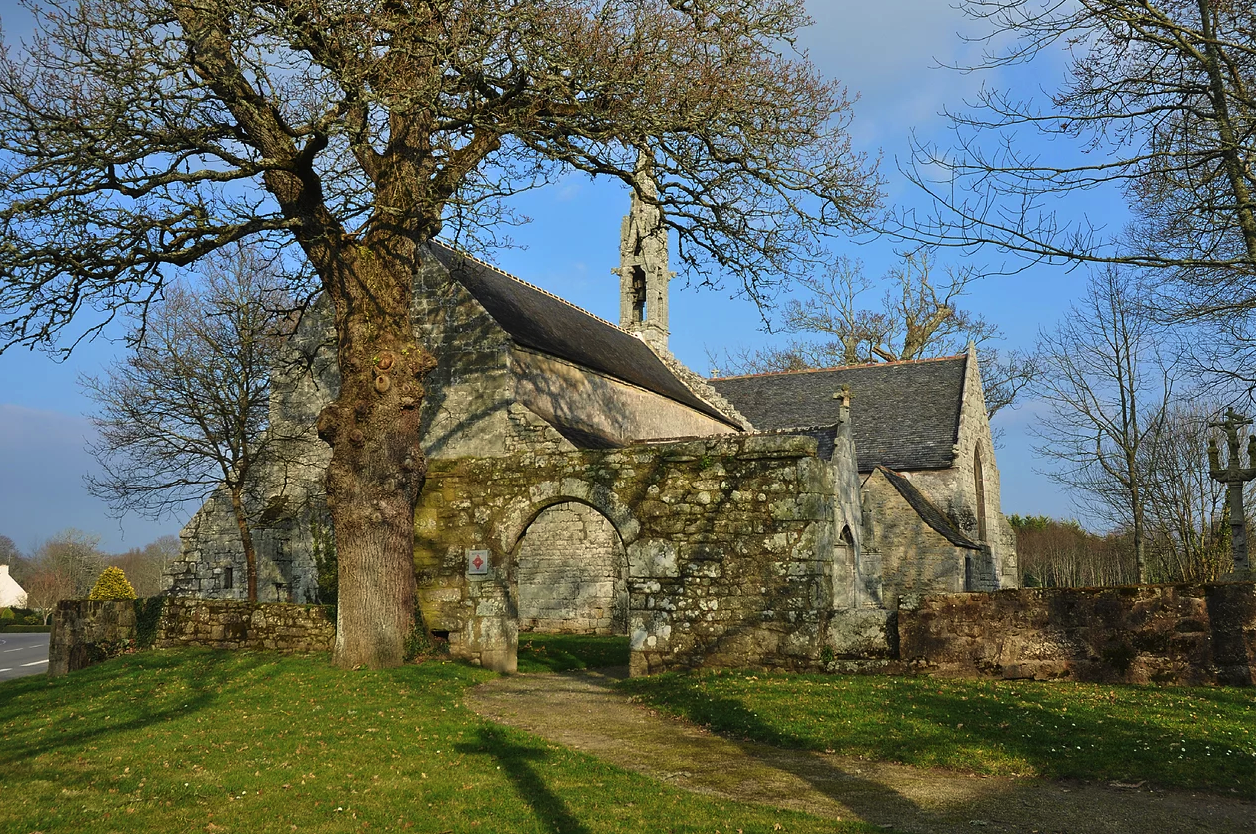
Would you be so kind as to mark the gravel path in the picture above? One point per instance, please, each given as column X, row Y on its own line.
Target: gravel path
column 581, row 710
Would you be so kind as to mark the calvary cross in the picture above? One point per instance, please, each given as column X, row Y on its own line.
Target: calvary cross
column 1234, row 475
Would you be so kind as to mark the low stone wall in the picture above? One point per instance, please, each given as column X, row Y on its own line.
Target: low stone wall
column 86, row 632
column 231, row 624
column 1188, row 634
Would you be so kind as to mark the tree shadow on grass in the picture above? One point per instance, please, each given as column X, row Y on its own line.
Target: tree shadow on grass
column 519, row 763
column 182, row 688
column 944, row 720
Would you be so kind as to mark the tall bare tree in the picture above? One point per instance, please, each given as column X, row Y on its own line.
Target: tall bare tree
column 185, row 412
column 1107, row 392
column 140, row 134
column 919, row 317
column 144, row 566
column 63, row 567
column 1160, row 95
column 1188, row 535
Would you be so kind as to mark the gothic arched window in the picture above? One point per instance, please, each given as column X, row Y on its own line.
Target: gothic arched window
column 980, row 483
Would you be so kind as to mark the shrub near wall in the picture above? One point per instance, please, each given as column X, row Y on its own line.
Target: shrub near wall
column 1179, row 634
column 86, row 631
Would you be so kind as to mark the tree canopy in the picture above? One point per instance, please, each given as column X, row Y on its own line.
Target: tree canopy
column 1159, row 98
column 137, row 136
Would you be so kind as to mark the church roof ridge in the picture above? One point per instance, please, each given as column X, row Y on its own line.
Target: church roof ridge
column 480, row 261
column 846, row 367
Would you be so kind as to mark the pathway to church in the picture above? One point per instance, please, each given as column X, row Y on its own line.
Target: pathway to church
column 582, row 710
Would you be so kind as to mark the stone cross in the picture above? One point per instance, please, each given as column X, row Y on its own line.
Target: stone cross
column 1234, row 475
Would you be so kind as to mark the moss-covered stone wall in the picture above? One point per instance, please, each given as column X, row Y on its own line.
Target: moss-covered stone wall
column 85, row 632
column 729, row 544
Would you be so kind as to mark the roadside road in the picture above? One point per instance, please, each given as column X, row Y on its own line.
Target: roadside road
column 22, row 655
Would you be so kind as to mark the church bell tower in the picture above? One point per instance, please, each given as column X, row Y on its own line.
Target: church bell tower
column 643, row 270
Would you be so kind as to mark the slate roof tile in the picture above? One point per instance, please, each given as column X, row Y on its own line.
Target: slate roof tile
column 536, row 319
column 904, row 415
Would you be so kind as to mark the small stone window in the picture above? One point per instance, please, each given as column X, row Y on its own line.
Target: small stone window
column 228, row 580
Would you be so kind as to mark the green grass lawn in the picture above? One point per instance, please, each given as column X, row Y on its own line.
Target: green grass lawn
column 1203, row 738
column 249, row 742
column 567, row 652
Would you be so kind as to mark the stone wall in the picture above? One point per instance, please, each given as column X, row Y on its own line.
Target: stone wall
column 85, row 632
column 572, row 573
column 729, row 545
column 905, row 554
column 1179, row 634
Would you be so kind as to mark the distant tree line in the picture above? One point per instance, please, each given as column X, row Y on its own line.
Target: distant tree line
column 1061, row 553
column 68, row 563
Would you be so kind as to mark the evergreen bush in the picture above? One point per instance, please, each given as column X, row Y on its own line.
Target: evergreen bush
column 112, row 584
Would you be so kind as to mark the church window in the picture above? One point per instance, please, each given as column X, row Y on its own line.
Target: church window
column 227, row 578
column 980, row 482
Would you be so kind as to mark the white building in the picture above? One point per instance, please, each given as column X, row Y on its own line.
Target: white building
column 11, row 593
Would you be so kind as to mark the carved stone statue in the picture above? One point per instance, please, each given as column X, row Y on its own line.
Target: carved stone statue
column 1234, row 476
column 643, row 269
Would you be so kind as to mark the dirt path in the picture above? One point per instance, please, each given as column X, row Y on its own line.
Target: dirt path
column 582, row 711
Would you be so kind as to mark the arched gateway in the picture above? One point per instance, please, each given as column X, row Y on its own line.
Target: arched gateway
column 725, row 547
column 571, row 573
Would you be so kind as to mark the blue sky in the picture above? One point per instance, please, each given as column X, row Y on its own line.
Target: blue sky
column 886, row 52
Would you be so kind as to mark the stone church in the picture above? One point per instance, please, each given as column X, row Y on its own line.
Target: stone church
column 607, row 470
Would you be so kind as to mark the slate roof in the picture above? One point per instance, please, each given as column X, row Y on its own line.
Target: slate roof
column 538, row 320
column 904, row 415
column 924, row 508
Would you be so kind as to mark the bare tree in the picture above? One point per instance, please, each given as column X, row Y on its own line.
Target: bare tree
column 1160, row 96
column 1062, row 554
column 1107, row 391
column 919, row 318
column 10, row 555
column 186, row 411
column 144, row 566
column 1189, row 536
column 64, row 567
column 140, row 134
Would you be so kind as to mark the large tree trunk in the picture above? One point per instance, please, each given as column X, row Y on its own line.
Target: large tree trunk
column 377, row 466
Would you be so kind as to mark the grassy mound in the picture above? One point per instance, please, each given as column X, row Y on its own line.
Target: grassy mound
column 1200, row 738
column 251, row 742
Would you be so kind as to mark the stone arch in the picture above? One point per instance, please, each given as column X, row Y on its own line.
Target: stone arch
column 523, row 511
column 569, row 572
column 577, row 576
